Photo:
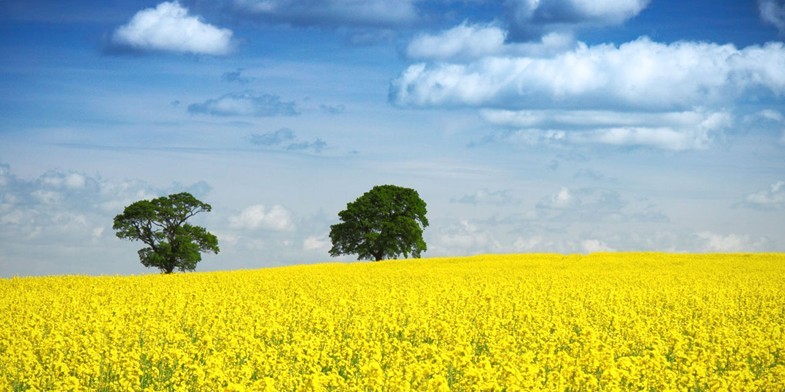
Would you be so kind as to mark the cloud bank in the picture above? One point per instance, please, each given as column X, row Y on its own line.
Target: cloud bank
column 559, row 91
column 636, row 75
column 169, row 27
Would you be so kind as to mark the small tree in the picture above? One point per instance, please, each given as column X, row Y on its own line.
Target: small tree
column 383, row 223
column 160, row 224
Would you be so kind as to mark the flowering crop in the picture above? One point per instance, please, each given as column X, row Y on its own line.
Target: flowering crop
column 630, row 321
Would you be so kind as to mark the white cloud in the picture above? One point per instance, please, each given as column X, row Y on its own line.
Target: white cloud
column 464, row 237
column 245, row 104
column 331, row 13
column 593, row 246
column 773, row 12
column 561, row 199
column 319, row 243
column 771, row 115
column 639, row 74
column 731, row 243
column 531, row 17
column 463, row 41
column 169, row 27
column 258, row 216
column 467, row 42
column 769, row 199
column 528, row 244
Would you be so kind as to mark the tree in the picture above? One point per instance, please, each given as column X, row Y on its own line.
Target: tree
column 383, row 223
column 160, row 224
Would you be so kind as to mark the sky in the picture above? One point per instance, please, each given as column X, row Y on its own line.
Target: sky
column 527, row 126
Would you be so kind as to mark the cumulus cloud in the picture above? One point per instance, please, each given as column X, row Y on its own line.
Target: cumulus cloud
column 276, row 218
column 773, row 12
column 330, row 13
column 636, row 75
column 772, row 198
column 169, row 27
column 470, row 42
column 245, row 104
column 532, row 17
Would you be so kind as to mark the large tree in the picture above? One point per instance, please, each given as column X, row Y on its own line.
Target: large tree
column 383, row 223
column 160, row 224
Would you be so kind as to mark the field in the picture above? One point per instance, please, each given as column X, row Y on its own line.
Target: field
column 643, row 321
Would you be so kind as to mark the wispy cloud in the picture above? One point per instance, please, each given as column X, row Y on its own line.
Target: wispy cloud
column 329, row 13
column 595, row 205
column 236, row 76
column 285, row 138
column 169, row 27
column 333, row 109
column 772, row 198
column 485, row 196
column 245, row 104
column 773, row 12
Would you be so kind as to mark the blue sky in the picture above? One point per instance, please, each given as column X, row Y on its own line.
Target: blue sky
column 568, row 126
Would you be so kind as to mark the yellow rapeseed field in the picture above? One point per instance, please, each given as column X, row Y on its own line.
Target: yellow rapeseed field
column 642, row 321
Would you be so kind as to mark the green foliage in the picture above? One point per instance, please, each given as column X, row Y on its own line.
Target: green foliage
column 160, row 224
column 383, row 223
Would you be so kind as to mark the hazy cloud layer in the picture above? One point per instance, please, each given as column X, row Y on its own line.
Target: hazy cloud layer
column 245, row 104
column 595, row 205
column 329, row 13
column 169, row 27
column 676, row 131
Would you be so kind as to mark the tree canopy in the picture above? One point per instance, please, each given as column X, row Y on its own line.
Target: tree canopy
column 384, row 223
column 161, row 224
